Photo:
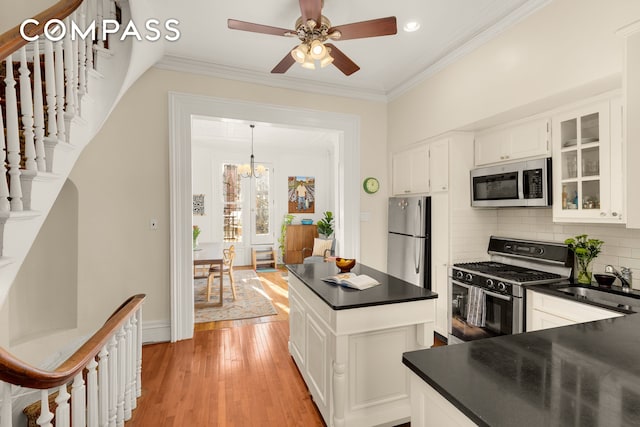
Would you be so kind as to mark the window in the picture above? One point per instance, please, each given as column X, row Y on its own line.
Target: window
column 232, row 203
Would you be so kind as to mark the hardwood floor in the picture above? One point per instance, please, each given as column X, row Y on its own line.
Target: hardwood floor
column 233, row 373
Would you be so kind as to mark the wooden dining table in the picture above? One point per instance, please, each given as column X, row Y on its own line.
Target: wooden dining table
column 209, row 253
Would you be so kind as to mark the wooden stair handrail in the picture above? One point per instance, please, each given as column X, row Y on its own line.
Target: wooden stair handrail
column 17, row 372
column 11, row 40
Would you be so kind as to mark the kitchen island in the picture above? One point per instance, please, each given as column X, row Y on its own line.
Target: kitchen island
column 579, row 375
column 348, row 344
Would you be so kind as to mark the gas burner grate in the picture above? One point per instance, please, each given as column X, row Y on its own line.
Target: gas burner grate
column 509, row 272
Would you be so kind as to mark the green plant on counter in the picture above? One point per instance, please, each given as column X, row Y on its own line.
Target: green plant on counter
column 325, row 225
column 287, row 220
column 585, row 250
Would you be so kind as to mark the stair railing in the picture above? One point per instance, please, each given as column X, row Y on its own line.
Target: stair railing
column 104, row 375
column 39, row 104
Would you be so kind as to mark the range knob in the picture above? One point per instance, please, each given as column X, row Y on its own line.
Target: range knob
column 469, row 277
column 490, row 284
column 502, row 287
column 459, row 274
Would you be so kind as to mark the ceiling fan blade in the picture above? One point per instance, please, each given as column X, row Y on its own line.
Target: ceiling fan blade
column 234, row 24
column 310, row 9
column 342, row 61
column 372, row 28
column 284, row 65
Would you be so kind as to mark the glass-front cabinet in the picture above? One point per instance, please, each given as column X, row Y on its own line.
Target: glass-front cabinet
column 587, row 164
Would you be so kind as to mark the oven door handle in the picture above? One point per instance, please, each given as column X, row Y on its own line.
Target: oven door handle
column 493, row 294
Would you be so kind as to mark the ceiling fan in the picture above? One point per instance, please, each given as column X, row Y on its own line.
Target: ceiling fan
column 314, row 30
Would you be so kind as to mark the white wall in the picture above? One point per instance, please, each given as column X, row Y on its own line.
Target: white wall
column 304, row 159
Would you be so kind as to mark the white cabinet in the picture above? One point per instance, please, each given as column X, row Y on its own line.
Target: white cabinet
column 351, row 359
column 421, row 169
column 546, row 311
column 411, row 171
column 512, row 142
column 588, row 164
column 439, row 165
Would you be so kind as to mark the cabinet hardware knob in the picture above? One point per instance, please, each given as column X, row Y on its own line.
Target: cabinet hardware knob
column 614, row 213
column 603, row 214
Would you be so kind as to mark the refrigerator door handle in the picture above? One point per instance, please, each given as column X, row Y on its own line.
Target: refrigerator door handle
column 416, row 220
column 417, row 249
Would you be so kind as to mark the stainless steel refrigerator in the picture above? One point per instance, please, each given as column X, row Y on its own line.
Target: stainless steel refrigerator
column 409, row 244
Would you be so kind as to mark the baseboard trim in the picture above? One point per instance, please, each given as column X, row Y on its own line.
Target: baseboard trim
column 156, row 331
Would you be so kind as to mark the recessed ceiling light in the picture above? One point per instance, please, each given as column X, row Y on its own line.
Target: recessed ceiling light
column 411, row 26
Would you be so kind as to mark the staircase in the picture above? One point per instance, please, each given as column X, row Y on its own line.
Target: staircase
column 54, row 98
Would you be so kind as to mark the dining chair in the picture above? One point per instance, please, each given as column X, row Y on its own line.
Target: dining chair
column 228, row 255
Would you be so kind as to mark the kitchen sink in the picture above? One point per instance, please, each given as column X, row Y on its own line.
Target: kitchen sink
column 600, row 296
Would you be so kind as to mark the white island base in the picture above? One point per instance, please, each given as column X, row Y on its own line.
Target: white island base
column 351, row 359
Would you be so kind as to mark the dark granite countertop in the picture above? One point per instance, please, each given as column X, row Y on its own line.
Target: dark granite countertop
column 390, row 291
column 578, row 375
column 552, row 289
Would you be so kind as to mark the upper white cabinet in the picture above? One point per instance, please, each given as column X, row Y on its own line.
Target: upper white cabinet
column 588, row 164
column 421, row 169
column 512, row 142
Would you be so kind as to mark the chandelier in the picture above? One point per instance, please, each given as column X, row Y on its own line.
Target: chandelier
column 249, row 170
column 312, row 47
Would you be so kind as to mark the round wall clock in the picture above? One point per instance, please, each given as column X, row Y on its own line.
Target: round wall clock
column 371, row 185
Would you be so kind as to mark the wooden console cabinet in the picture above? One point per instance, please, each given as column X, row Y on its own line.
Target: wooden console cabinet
column 298, row 237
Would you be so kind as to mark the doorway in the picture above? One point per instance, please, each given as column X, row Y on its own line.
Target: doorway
column 182, row 108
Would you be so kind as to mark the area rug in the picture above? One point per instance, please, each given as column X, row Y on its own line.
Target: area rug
column 251, row 299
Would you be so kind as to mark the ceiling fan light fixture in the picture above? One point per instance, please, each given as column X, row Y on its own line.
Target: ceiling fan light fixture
column 411, row 26
column 327, row 60
column 308, row 64
column 318, row 50
column 299, row 53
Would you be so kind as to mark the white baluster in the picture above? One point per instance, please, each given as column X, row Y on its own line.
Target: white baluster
column 93, row 408
column 78, row 401
column 134, row 361
column 112, row 9
column 4, row 186
column 69, row 78
column 38, row 109
column 44, row 420
column 13, row 138
column 104, row 386
column 5, row 415
column 139, row 353
column 128, row 369
column 113, row 380
column 91, row 17
column 82, row 55
column 59, row 75
column 122, row 379
column 75, row 66
column 26, row 109
column 51, row 140
column 62, row 411
column 99, row 19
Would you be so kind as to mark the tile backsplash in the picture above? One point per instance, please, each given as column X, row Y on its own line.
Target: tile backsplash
column 621, row 245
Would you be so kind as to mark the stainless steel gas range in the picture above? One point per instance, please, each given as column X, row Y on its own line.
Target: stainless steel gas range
column 486, row 298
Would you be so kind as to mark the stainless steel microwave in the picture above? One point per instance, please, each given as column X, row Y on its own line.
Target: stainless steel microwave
column 526, row 183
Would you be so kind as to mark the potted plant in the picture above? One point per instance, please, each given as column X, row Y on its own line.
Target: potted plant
column 288, row 219
column 196, row 233
column 325, row 225
column 585, row 250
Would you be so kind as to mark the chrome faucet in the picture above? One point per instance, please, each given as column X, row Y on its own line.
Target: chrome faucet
column 626, row 286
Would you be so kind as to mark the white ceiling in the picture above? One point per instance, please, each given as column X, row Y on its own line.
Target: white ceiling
column 387, row 63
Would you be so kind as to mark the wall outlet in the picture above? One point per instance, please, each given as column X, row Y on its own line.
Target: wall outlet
column 153, row 224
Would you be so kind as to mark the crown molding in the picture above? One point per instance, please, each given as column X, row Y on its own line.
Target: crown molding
column 485, row 36
column 196, row 66
column 629, row 30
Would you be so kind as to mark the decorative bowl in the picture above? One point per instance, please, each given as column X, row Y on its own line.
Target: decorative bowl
column 345, row 264
column 307, row 221
column 605, row 280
